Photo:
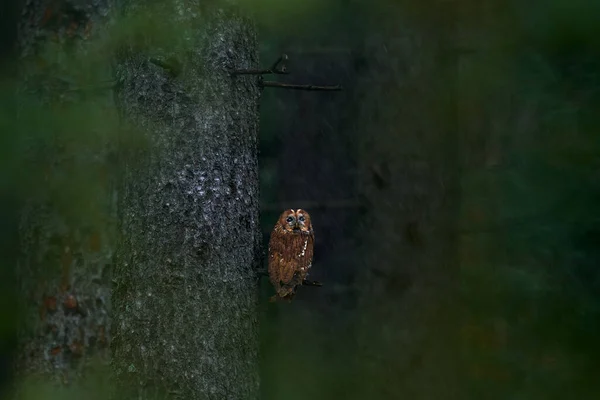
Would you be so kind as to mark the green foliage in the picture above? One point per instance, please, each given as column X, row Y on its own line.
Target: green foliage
column 61, row 124
column 96, row 386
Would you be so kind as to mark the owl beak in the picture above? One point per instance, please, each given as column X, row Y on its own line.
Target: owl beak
column 296, row 227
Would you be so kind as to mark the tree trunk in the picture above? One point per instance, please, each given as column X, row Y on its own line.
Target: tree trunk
column 65, row 220
column 409, row 176
column 185, row 291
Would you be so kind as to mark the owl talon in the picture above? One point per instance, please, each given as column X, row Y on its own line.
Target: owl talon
column 275, row 298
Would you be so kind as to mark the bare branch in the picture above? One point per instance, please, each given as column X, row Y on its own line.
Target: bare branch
column 301, row 87
column 279, row 68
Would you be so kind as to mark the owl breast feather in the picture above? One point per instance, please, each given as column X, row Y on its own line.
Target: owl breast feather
column 290, row 255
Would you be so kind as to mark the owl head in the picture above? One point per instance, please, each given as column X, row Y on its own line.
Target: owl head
column 295, row 221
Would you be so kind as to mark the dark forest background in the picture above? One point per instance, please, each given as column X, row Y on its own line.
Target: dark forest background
column 453, row 186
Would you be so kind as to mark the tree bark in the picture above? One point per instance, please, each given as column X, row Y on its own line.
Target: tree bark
column 185, row 292
column 65, row 219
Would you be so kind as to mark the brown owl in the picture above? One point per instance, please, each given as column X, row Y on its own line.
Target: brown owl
column 290, row 252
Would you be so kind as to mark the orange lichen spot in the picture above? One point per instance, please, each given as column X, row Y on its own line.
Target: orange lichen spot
column 47, row 15
column 101, row 335
column 76, row 348
column 70, row 302
column 72, row 29
column 95, row 242
column 55, row 350
column 50, row 303
column 88, row 29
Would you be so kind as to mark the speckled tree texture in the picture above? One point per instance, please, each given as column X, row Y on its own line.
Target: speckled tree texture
column 185, row 285
column 64, row 267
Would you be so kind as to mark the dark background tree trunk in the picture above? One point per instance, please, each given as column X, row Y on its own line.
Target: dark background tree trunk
column 379, row 176
column 409, row 166
column 66, row 193
column 185, row 292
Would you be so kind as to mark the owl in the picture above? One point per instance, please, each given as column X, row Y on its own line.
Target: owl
column 290, row 253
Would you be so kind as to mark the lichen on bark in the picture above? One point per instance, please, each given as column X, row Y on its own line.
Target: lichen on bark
column 185, row 286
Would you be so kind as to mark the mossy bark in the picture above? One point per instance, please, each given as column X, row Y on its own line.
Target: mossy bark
column 185, row 284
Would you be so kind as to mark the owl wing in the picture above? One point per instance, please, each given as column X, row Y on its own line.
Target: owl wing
column 281, row 265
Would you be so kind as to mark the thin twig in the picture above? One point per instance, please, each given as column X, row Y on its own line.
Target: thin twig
column 279, row 68
column 251, row 72
column 320, row 50
column 301, row 87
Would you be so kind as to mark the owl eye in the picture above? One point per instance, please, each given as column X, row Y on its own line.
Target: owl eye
column 301, row 219
column 290, row 219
